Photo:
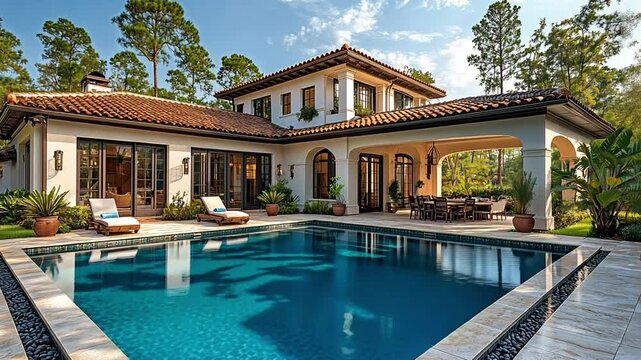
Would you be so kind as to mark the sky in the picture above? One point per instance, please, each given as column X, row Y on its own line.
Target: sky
column 432, row 35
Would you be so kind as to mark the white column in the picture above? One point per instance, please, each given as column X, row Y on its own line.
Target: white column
column 347, row 170
column 346, row 94
column 381, row 94
column 437, row 175
column 538, row 162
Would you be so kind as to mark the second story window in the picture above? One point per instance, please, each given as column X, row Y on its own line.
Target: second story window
column 309, row 97
column 402, row 101
column 336, row 96
column 263, row 107
column 286, row 103
column 364, row 99
column 240, row 108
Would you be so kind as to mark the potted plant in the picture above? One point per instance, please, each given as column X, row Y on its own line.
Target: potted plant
column 271, row 199
column 522, row 194
column 307, row 113
column 45, row 207
column 393, row 192
column 336, row 192
column 419, row 184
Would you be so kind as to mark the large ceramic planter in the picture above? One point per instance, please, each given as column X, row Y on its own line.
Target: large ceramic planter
column 272, row 209
column 338, row 209
column 46, row 226
column 523, row 223
column 392, row 208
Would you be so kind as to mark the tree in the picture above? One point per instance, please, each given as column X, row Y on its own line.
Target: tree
column 154, row 27
column 128, row 73
column 220, row 104
column 497, row 38
column 424, row 76
column 624, row 109
column 67, row 56
column 237, row 69
column 13, row 74
column 194, row 74
column 534, row 68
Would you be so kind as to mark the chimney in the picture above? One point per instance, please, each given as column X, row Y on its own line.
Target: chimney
column 95, row 82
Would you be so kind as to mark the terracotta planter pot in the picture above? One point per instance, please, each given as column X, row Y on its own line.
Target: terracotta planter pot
column 272, row 209
column 46, row 226
column 338, row 209
column 392, row 208
column 523, row 223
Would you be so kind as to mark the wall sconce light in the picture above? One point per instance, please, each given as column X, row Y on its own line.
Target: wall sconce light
column 291, row 171
column 57, row 157
column 279, row 170
column 186, row 166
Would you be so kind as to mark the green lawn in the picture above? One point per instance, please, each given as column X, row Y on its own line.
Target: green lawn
column 582, row 228
column 14, row 231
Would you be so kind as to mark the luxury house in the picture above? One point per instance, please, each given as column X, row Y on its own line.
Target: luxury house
column 374, row 124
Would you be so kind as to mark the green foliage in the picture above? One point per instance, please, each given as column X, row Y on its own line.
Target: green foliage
column 583, row 228
column 74, row 217
column 336, row 190
column 42, row 203
column 612, row 168
column 128, row 73
column 14, row 76
column 27, row 222
column 624, row 109
column 193, row 81
column 522, row 192
column 567, row 213
column 153, row 28
column 11, row 209
column 307, row 113
column 317, row 207
column 236, row 69
column 178, row 209
column 289, row 205
column 67, row 56
column 631, row 232
column 489, row 191
column 15, row 231
column 424, row 76
column 497, row 38
column 220, row 104
column 271, row 197
column 359, row 110
column 394, row 191
column 466, row 172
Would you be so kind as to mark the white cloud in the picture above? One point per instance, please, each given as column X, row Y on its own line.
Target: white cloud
column 411, row 35
column 438, row 4
column 401, row 3
column 334, row 27
column 399, row 59
column 454, row 73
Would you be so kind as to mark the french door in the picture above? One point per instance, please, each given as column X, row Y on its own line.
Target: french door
column 150, row 180
column 370, row 178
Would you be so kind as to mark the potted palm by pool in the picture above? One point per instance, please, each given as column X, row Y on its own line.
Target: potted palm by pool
column 336, row 193
column 45, row 207
column 271, row 199
column 393, row 192
column 522, row 194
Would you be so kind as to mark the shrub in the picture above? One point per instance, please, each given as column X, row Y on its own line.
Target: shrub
column 74, row 217
column 522, row 192
column 317, row 207
column 269, row 196
column 11, row 208
column 567, row 213
column 27, row 222
column 42, row 203
column 336, row 190
column 394, row 192
column 631, row 232
column 307, row 113
column 289, row 205
column 179, row 210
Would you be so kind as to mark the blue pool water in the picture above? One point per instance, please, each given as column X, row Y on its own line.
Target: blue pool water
column 309, row 293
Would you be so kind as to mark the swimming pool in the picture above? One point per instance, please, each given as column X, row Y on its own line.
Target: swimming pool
column 312, row 293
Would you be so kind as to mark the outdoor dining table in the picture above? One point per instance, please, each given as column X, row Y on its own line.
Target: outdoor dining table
column 458, row 202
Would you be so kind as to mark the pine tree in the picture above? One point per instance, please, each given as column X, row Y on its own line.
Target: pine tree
column 13, row 74
column 237, row 69
column 194, row 75
column 128, row 73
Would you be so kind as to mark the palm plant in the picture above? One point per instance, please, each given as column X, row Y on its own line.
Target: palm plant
column 271, row 197
column 522, row 192
column 336, row 190
column 607, row 178
column 42, row 204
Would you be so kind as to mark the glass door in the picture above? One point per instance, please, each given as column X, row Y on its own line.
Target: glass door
column 251, row 184
column 217, row 174
column 235, row 180
column 150, row 180
column 118, row 179
column 370, row 177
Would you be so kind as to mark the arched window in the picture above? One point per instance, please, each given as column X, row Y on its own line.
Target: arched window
column 324, row 171
column 404, row 172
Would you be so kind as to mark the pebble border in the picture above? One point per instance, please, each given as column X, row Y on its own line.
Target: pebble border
column 509, row 344
column 36, row 338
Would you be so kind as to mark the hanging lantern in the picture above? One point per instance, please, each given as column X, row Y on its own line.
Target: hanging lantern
column 431, row 159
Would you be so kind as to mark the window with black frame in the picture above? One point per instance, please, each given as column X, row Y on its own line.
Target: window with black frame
column 364, row 98
column 309, row 97
column 404, row 174
column 263, row 107
column 286, row 102
column 324, row 170
column 336, row 96
column 402, row 101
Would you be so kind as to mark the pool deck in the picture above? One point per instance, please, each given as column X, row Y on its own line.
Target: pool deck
column 601, row 319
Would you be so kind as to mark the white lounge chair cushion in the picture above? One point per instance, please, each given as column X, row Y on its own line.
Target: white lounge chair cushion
column 211, row 203
column 230, row 214
column 121, row 221
column 101, row 206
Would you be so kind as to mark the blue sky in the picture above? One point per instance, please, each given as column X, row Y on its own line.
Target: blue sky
column 434, row 35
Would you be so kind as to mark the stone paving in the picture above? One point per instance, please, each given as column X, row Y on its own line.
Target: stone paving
column 600, row 320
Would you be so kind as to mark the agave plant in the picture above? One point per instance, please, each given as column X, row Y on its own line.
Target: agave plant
column 522, row 192
column 271, row 197
column 43, row 204
column 607, row 178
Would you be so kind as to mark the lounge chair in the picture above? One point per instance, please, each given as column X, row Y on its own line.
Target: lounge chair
column 498, row 210
column 215, row 210
column 105, row 218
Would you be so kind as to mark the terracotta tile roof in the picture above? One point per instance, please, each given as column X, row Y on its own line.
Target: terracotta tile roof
column 148, row 109
column 341, row 53
column 445, row 109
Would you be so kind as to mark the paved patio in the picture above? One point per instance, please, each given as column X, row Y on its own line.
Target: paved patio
column 600, row 320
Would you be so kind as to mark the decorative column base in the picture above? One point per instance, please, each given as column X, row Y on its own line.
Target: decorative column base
column 352, row 210
column 543, row 223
